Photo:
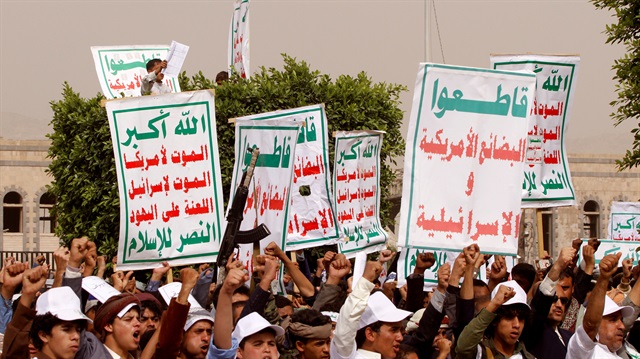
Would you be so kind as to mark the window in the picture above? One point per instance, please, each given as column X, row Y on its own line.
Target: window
column 47, row 222
column 12, row 213
column 547, row 229
column 591, row 220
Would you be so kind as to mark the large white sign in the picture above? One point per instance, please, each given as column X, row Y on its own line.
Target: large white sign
column 312, row 216
column 270, row 189
column 121, row 68
column 239, row 39
column 464, row 159
column 547, row 178
column 356, row 182
column 624, row 221
column 166, row 152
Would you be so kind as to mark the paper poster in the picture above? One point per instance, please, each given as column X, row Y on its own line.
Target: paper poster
column 239, row 39
column 172, row 290
column 408, row 257
column 270, row 189
column 121, row 68
column 624, row 221
column 464, row 159
column 99, row 288
column 166, row 152
column 547, row 178
column 356, row 183
column 312, row 216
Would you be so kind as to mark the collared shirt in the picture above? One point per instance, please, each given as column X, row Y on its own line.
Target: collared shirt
column 582, row 347
column 365, row 354
column 6, row 312
column 114, row 355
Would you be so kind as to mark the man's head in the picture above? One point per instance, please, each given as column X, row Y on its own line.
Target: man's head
column 256, row 337
column 310, row 333
column 153, row 64
column 284, row 306
column 524, row 274
column 221, row 77
column 511, row 317
column 380, row 326
column 118, row 320
column 58, row 323
column 481, row 295
column 150, row 313
column 197, row 334
column 611, row 331
column 564, row 287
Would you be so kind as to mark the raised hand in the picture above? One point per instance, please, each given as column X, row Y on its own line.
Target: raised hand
column 385, row 256
column 272, row 249
column 627, row 264
column 372, row 270
column 424, row 261
column 443, row 276
column 471, row 254
column 12, row 277
column 566, row 257
column 271, row 268
column 339, row 267
column 609, row 265
column 79, row 248
column 33, row 280
column 502, row 296
column 203, row 267
column 61, row 257
column 189, row 278
column 235, row 278
column 498, row 269
column 160, row 272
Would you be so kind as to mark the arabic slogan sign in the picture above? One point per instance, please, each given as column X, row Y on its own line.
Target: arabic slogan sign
column 624, row 221
column 270, row 188
column 408, row 257
column 628, row 249
column 121, row 68
column 239, row 38
column 166, row 152
column 356, row 182
column 547, row 179
column 464, row 159
column 311, row 217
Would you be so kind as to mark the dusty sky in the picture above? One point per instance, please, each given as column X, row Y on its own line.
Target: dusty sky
column 46, row 42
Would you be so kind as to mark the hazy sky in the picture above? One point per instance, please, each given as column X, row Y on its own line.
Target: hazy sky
column 46, row 42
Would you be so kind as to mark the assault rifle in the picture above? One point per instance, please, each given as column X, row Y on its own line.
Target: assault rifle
column 233, row 236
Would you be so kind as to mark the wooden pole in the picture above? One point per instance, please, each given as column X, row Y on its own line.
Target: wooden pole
column 540, row 231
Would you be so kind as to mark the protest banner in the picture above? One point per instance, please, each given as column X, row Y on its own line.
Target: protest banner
column 464, row 159
column 169, row 181
column 547, row 179
column 624, row 221
column 408, row 257
column 356, row 183
column 311, row 216
column 270, row 190
column 121, row 68
column 628, row 250
column 239, row 39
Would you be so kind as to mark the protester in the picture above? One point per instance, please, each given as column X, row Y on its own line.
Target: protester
column 118, row 322
column 309, row 332
column 152, row 82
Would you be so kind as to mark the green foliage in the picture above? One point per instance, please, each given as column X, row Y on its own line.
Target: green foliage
column 84, row 172
column 627, row 68
column 83, row 163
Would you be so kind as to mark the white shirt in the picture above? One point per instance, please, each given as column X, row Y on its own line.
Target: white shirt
column 151, row 87
column 114, row 355
column 582, row 347
column 343, row 344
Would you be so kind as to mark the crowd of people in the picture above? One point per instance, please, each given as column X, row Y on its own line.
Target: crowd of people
column 571, row 309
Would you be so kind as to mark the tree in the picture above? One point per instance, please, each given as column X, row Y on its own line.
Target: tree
column 626, row 32
column 83, row 164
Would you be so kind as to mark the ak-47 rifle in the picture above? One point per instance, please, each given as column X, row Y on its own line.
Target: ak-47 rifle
column 233, row 236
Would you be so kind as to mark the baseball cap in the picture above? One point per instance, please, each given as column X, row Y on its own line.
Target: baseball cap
column 62, row 302
column 414, row 321
column 611, row 307
column 519, row 298
column 252, row 324
column 195, row 315
column 380, row 308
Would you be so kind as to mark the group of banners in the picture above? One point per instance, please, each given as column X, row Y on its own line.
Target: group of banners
column 482, row 144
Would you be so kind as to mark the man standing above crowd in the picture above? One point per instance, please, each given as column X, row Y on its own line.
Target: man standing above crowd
column 152, row 82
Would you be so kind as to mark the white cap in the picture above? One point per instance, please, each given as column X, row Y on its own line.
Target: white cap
column 61, row 302
column 126, row 309
column 519, row 298
column 252, row 324
column 415, row 320
column 611, row 307
column 380, row 308
column 195, row 315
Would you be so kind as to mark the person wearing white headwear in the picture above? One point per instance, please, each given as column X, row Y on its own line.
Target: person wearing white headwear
column 602, row 332
column 496, row 330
